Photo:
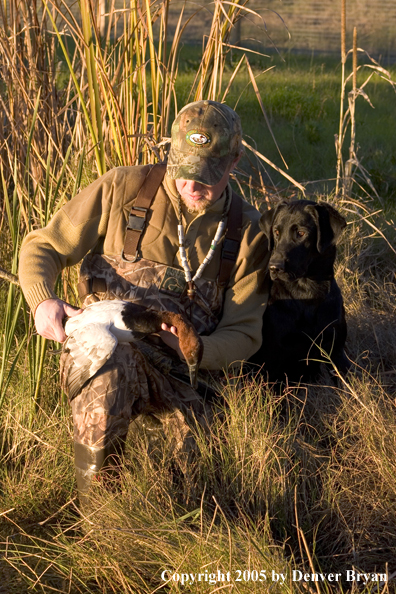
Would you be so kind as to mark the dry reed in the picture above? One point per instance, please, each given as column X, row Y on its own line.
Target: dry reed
column 299, row 481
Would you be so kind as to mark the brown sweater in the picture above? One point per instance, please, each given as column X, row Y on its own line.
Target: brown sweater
column 95, row 220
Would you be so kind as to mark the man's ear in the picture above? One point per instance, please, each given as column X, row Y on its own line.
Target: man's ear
column 266, row 222
column 236, row 160
column 329, row 222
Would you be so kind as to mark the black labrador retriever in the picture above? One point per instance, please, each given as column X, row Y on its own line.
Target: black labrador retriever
column 305, row 319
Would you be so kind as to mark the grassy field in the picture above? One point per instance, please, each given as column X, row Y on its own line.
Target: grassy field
column 301, row 95
column 301, row 482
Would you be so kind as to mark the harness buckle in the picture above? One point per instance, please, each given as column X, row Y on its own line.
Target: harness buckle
column 137, row 222
column 124, row 259
column 230, row 249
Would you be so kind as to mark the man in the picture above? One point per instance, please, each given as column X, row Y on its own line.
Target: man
column 134, row 254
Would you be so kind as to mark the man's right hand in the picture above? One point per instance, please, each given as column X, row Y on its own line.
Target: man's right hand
column 49, row 316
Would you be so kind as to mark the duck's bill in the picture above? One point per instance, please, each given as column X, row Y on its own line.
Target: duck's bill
column 193, row 370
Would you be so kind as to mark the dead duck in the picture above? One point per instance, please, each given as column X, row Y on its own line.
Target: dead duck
column 93, row 335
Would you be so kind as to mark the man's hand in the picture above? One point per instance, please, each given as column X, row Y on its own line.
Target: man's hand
column 170, row 338
column 49, row 315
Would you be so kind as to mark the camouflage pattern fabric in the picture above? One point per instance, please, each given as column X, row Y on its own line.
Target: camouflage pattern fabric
column 156, row 286
column 139, row 378
column 206, row 138
column 128, row 386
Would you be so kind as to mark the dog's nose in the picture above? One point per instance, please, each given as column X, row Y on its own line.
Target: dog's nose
column 277, row 266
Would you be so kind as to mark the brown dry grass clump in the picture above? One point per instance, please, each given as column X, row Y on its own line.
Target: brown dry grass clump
column 299, row 481
column 304, row 480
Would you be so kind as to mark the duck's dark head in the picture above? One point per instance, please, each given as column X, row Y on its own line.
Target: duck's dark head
column 142, row 321
column 190, row 343
column 193, row 351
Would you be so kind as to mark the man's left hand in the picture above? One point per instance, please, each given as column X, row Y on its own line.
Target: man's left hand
column 170, row 338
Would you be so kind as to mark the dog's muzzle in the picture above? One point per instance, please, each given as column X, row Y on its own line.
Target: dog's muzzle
column 279, row 269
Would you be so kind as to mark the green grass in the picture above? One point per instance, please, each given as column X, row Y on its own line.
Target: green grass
column 305, row 480
column 301, row 97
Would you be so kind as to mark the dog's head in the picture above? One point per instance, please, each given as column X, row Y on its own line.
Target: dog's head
column 300, row 233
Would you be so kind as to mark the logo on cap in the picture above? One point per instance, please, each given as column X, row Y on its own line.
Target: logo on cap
column 196, row 138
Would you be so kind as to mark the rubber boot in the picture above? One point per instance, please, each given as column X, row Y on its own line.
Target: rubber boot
column 88, row 462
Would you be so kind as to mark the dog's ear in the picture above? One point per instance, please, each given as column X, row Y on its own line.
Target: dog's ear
column 266, row 223
column 266, row 226
column 329, row 222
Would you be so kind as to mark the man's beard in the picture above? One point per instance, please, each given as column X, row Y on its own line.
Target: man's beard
column 196, row 207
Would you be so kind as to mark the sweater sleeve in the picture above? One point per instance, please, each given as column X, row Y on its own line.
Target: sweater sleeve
column 71, row 233
column 238, row 334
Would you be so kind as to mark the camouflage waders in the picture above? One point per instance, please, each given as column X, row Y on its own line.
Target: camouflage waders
column 141, row 378
column 145, row 378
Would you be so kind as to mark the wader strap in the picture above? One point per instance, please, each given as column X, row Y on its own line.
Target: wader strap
column 232, row 239
column 87, row 286
column 135, row 228
column 138, row 215
column 231, row 244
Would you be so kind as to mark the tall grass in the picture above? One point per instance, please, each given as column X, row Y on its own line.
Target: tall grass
column 81, row 89
column 299, row 481
column 352, row 171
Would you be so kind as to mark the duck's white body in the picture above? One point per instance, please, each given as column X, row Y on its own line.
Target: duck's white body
column 104, row 317
column 92, row 337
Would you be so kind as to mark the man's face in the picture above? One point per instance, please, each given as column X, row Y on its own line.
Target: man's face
column 198, row 197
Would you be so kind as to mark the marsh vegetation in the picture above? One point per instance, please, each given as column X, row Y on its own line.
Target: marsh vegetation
column 301, row 481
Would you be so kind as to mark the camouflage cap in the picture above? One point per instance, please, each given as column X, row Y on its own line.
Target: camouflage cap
column 206, row 138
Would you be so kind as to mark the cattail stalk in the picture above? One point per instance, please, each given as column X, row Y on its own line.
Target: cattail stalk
column 342, row 97
column 354, row 63
column 352, row 102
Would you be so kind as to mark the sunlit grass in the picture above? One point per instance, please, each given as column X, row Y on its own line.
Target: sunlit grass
column 303, row 480
column 301, row 96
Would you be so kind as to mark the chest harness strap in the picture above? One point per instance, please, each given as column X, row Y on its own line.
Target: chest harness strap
column 138, row 216
column 232, row 240
column 138, row 221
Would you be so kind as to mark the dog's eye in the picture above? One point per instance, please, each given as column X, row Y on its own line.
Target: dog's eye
column 276, row 232
column 300, row 233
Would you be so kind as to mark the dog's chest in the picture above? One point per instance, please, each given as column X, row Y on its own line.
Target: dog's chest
column 302, row 290
column 289, row 316
column 299, row 309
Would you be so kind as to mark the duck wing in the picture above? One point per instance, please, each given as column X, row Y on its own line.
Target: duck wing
column 89, row 347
